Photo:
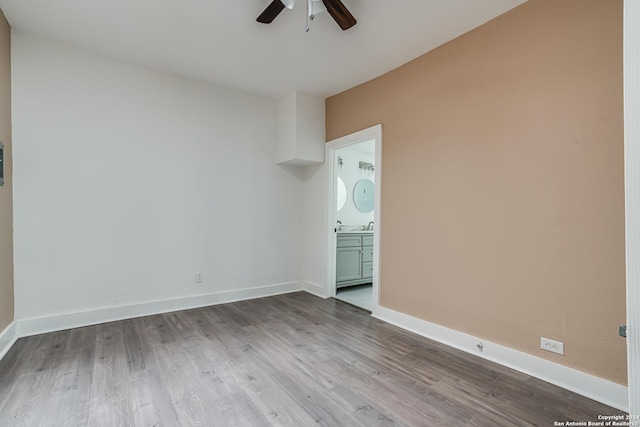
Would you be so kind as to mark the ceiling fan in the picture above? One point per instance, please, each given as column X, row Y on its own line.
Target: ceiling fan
column 336, row 9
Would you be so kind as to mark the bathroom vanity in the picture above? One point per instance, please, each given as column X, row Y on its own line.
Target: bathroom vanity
column 354, row 258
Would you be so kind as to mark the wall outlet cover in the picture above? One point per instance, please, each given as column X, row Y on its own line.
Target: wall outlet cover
column 551, row 345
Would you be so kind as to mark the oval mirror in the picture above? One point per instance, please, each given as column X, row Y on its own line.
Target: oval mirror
column 341, row 198
column 363, row 195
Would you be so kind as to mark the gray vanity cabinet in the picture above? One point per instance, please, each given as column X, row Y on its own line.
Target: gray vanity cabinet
column 348, row 264
column 354, row 259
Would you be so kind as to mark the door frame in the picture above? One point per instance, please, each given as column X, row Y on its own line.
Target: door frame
column 632, row 194
column 374, row 132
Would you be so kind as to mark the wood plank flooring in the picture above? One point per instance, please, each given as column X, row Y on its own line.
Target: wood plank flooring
column 290, row 360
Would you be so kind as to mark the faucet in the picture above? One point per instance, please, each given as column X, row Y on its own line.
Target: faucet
column 370, row 226
column 339, row 225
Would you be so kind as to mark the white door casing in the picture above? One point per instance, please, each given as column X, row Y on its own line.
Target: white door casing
column 632, row 194
column 374, row 132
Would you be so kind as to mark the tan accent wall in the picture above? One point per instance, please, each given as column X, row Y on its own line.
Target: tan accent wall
column 502, row 181
column 6, row 200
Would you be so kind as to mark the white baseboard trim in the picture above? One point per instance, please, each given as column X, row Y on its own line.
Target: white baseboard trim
column 41, row 325
column 315, row 289
column 587, row 385
column 8, row 337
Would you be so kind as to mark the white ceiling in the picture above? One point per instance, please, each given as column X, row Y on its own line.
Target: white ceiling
column 220, row 42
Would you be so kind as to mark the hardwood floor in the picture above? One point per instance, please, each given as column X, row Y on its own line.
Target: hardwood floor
column 290, row 360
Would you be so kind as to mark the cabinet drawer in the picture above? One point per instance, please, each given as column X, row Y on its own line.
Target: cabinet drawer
column 367, row 270
column 367, row 240
column 349, row 241
column 367, row 254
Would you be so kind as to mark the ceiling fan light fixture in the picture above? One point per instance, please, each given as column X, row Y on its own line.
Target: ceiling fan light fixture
column 316, row 7
column 336, row 9
column 288, row 3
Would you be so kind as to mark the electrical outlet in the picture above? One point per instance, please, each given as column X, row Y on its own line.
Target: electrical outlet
column 551, row 345
column 199, row 278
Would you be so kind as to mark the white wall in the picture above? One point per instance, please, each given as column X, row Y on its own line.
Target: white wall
column 351, row 173
column 315, row 225
column 128, row 182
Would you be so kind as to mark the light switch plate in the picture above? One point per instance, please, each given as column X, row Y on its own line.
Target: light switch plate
column 1, row 164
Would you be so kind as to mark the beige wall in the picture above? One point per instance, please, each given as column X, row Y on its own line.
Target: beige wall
column 502, row 181
column 6, row 205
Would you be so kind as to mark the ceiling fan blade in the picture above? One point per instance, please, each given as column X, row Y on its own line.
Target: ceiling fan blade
column 340, row 13
column 271, row 12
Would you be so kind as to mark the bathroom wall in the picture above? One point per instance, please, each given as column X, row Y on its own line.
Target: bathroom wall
column 351, row 173
column 502, row 182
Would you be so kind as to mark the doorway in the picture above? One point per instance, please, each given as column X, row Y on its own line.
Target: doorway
column 353, row 226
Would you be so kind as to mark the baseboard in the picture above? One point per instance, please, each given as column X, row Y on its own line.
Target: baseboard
column 7, row 338
column 41, row 325
column 587, row 385
column 315, row 289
